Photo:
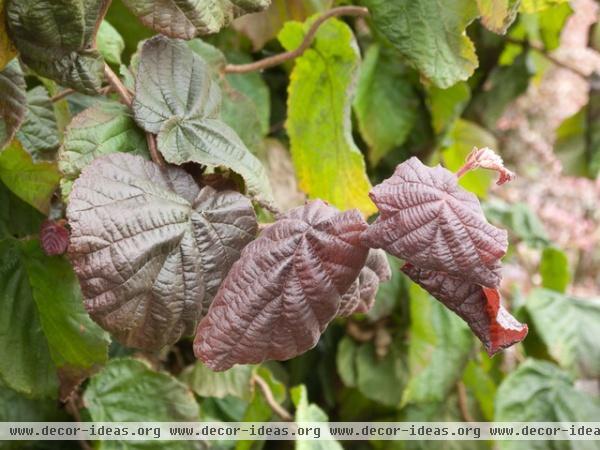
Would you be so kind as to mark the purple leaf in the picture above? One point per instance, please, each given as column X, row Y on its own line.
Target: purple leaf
column 150, row 248
column 54, row 237
column 361, row 295
column 478, row 306
column 285, row 289
column 428, row 220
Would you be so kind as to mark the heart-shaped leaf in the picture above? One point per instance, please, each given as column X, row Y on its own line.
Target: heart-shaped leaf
column 55, row 39
column 150, row 248
column 361, row 295
column 12, row 102
column 428, row 220
column 478, row 306
column 182, row 106
column 188, row 18
column 280, row 295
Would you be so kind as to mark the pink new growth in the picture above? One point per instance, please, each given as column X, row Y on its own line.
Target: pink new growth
column 486, row 158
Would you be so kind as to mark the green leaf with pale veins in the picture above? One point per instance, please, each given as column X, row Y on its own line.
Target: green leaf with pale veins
column 43, row 325
column 55, row 39
column 100, row 130
column 12, row 102
column 39, row 132
column 438, row 350
column 183, row 108
column 206, row 383
column 386, row 102
column 539, row 391
column 328, row 163
column 570, row 328
column 110, row 43
column 430, row 34
column 128, row 390
column 498, row 15
column 33, row 182
column 185, row 19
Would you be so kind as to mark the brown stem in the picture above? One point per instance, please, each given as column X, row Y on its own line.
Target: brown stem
column 306, row 43
column 103, row 10
column 62, row 94
column 73, row 409
column 542, row 51
column 462, row 402
column 266, row 390
column 154, row 153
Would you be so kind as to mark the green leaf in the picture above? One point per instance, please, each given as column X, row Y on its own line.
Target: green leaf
column 389, row 293
column 504, row 84
column 570, row 144
column 39, row 132
column 128, row 390
column 43, row 325
column 498, row 15
column 32, row 182
column 593, row 128
column 15, row 407
column 539, row 391
column 461, row 139
column 381, row 379
column 55, row 39
column 258, row 409
column 100, row 130
column 480, row 382
column 17, row 218
column 110, row 43
column 532, row 6
column 7, row 49
column 520, row 220
column 206, row 383
column 386, row 102
column 185, row 19
column 188, row 124
column 328, row 163
column 430, row 36
column 570, row 328
column 438, row 350
column 345, row 359
column 309, row 412
column 446, row 105
column 12, row 102
column 554, row 268
column 127, row 25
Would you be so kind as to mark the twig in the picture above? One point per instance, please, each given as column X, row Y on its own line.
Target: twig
column 125, row 96
column 542, row 51
column 306, row 43
column 62, row 94
column 266, row 390
column 462, row 402
column 72, row 408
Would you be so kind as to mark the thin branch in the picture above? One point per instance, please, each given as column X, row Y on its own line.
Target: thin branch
column 306, row 43
column 266, row 390
column 73, row 409
column 154, row 153
column 542, row 51
column 62, row 94
column 462, row 402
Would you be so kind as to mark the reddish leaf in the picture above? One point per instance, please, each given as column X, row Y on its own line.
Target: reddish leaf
column 361, row 295
column 286, row 287
column 431, row 222
column 54, row 237
column 478, row 306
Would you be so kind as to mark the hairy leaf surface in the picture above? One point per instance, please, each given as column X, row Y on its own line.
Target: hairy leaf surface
column 430, row 35
column 55, row 39
column 361, row 295
column 328, row 163
column 185, row 19
column 150, row 248
column 478, row 306
column 100, row 130
column 285, row 289
column 183, row 108
column 39, row 132
column 428, row 220
column 12, row 102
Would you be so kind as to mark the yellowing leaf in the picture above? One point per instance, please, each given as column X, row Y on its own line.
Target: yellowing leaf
column 328, row 163
column 532, row 6
column 498, row 15
column 7, row 49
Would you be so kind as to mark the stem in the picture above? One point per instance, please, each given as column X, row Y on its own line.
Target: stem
column 462, row 402
column 125, row 96
column 266, row 390
column 61, row 95
column 542, row 51
column 306, row 43
column 73, row 409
